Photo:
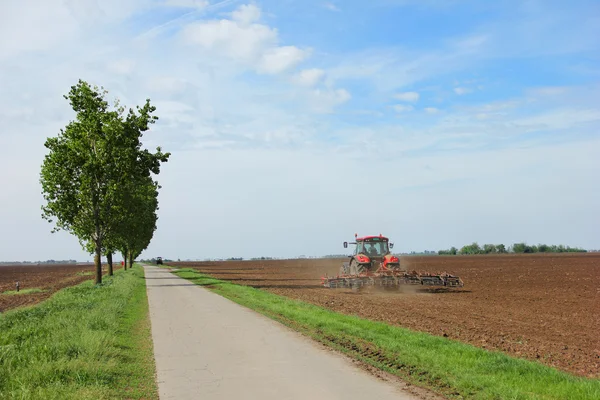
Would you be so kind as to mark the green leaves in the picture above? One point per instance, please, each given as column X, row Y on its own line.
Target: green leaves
column 96, row 179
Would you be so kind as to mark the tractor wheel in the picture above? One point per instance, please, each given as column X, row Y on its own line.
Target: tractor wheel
column 356, row 268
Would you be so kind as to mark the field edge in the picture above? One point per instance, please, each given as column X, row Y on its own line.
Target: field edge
column 107, row 353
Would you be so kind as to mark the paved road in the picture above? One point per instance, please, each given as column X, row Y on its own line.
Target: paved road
column 208, row 347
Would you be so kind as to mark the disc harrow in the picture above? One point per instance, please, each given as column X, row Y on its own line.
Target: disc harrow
column 391, row 278
column 373, row 264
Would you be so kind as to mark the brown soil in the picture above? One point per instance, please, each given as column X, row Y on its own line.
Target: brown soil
column 47, row 277
column 539, row 307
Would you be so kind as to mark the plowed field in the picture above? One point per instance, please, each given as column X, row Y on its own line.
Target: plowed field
column 539, row 307
column 47, row 277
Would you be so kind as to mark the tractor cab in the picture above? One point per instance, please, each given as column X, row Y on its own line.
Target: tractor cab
column 371, row 245
column 375, row 248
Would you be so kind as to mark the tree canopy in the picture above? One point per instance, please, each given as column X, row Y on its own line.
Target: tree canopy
column 474, row 248
column 97, row 180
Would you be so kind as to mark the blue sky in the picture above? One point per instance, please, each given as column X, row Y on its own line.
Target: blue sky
column 294, row 124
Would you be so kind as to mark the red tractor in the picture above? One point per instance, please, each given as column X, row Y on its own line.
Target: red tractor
column 372, row 264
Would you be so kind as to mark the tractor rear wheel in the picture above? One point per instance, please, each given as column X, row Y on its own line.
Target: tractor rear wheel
column 356, row 268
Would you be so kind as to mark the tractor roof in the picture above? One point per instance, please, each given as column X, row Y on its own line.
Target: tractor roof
column 360, row 239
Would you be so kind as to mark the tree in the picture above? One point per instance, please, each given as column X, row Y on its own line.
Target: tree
column 471, row 249
column 500, row 248
column 543, row 248
column 139, row 222
column 489, row 248
column 453, row 250
column 519, row 247
column 89, row 166
column 138, row 199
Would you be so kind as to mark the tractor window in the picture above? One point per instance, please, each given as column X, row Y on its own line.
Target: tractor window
column 359, row 248
column 375, row 248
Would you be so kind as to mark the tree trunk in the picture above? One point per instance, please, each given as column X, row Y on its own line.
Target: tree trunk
column 98, row 243
column 124, row 255
column 109, row 262
column 130, row 259
column 98, row 262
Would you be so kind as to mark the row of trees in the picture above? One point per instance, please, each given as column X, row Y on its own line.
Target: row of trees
column 475, row 248
column 97, row 180
column 38, row 262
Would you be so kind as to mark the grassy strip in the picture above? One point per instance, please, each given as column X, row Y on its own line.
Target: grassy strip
column 85, row 342
column 22, row 291
column 449, row 367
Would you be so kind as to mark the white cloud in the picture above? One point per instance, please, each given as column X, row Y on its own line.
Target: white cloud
column 165, row 84
column 469, row 44
column 549, row 91
column 246, row 14
column 197, row 4
column 431, row 110
column 231, row 39
column 173, row 109
column 407, row 96
column 279, row 59
column 566, row 118
column 462, row 90
column 122, row 67
column 245, row 41
column 331, row 6
column 309, row 77
column 324, row 100
column 402, row 108
column 52, row 23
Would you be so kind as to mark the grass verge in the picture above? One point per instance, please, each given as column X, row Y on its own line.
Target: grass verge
column 451, row 368
column 22, row 291
column 85, row 342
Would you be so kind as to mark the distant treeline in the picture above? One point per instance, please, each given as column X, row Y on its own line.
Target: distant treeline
column 39, row 262
column 474, row 248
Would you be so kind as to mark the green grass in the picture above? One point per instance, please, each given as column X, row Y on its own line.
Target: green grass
column 85, row 342
column 22, row 291
column 451, row 368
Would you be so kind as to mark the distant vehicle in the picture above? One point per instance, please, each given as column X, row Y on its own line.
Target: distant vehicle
column 159, row 261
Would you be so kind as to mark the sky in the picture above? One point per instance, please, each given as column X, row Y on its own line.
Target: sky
column 294, row 125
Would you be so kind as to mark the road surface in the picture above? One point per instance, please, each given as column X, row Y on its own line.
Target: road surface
column 208, row 347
